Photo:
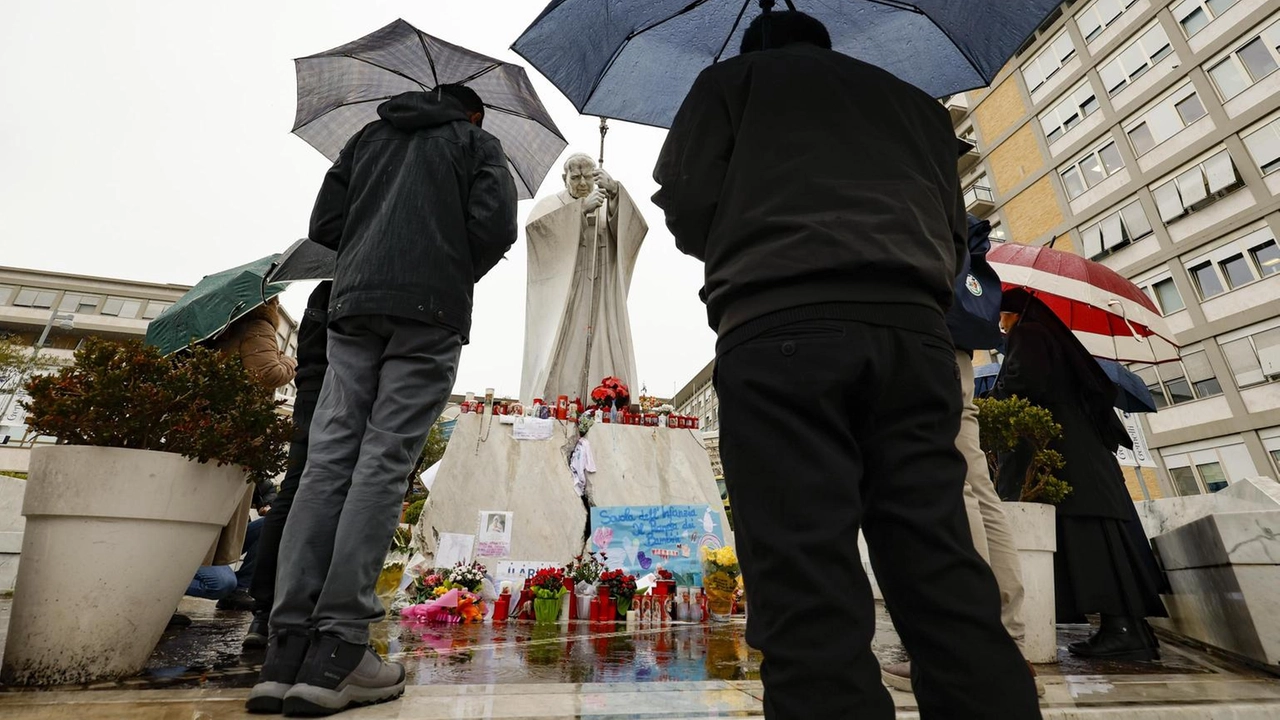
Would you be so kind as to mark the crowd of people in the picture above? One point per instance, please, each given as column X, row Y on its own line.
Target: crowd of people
column 822, row 195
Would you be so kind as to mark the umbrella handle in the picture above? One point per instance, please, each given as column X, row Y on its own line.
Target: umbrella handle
column 1132, row 330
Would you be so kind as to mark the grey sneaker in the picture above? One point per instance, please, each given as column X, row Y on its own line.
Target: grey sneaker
column 338, row 675
column 285, row 653
column 897, row 676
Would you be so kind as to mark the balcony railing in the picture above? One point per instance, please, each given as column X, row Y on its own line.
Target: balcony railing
column 976, row 195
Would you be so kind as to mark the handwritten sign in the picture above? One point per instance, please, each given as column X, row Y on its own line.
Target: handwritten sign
column 640, row 538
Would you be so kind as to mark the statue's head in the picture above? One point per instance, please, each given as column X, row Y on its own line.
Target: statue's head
column 579, row 175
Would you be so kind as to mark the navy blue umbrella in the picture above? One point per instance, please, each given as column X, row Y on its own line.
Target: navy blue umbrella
column 1132, row 394
column 636, row 61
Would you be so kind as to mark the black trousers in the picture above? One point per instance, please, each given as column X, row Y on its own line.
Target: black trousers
column 263, row 586
column 828, row 426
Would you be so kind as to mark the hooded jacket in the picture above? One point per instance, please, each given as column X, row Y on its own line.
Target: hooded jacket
column 801, row 176
column 252, row 338
column 419, row 206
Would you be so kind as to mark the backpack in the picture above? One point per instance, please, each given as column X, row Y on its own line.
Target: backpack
column 974, row 317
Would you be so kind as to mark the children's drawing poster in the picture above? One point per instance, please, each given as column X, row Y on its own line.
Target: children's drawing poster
column 640, row 538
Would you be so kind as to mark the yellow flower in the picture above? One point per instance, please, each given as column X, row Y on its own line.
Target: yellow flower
column 441, row 591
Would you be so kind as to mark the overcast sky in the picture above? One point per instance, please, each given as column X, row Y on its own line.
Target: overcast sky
column 150, row 141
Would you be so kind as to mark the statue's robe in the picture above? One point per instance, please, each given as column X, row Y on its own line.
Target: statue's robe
column 579, row 278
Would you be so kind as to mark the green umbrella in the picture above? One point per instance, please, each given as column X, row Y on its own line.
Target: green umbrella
column 213, row 304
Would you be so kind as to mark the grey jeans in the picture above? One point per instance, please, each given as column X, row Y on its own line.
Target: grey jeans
column 388, row 380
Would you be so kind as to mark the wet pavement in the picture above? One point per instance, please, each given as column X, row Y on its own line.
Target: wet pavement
column 593, row 667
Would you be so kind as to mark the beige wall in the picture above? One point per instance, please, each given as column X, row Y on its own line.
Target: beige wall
column 999, row 110
column 1033, row 212
column 1015, row 160
column 1135, row 492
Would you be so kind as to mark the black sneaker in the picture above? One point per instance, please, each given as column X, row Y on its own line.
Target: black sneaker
column 238, row 600
column 338, row 675
column 285, row 653
column 256, row 637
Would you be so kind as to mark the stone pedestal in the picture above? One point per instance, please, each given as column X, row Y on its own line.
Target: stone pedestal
column 485, row 468
column 1225, row 573
column 1035, row 532
column 11, row 527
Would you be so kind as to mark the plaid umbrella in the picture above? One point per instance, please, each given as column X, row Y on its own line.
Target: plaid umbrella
column 1111, row 316
column 339, row 91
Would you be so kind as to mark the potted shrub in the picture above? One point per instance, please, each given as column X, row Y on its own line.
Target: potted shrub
column 152, row 458
column 1005, row 425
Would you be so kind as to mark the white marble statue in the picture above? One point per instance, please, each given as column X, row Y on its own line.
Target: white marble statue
column 582, row 245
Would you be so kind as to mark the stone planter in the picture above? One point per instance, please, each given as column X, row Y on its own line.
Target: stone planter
column 1035, row 532
column 113, row 538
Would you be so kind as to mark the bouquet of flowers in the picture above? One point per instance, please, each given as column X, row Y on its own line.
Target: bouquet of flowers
column 586, row 568
column 548, row 587
column 426, row 588
column 622, row 588
column 720, row 573
column 453, row 606
column 648, row 403
column 467, row 577
column 611, row 393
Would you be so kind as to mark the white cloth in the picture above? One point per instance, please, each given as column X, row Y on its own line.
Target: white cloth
column 569, row 273
column 581, row 463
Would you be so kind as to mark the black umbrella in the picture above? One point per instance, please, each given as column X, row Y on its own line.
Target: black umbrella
column 304, row 260
column 339, row 91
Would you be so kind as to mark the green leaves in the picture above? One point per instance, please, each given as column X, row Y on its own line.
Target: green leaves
column 1014, row 423
column 202, row 405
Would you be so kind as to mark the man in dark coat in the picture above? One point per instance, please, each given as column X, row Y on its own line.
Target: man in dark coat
column 1100, row 566
column 822, row 195
column 419, row 206
column 312, row 364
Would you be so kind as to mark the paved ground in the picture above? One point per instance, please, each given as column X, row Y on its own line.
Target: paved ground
column 520, row 670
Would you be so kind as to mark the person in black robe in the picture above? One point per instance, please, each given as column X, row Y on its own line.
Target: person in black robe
column 1102, row 564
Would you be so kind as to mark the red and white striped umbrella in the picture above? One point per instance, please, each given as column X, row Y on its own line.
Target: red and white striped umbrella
column 1110, row 315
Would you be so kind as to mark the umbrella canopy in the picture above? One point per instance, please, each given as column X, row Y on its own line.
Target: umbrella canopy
column 636, row 61
column 304, row 260
column 339, row 91
column 212, row 305
column 1110, row 315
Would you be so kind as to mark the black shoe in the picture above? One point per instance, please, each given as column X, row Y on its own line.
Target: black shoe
column 178, row 621
column 285, row 653
column 238, row 600
column 1118, row 638
column 256, row 637
column 338, row 675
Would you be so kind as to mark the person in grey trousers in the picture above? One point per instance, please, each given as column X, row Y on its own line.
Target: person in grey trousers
column 419, row 206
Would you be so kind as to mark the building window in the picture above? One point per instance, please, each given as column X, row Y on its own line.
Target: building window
column 1167, row 296
column 1267, row 257
column 1195, row 15
column 1092, row 169
column 1251, row 62
column 1179, row 382
column 1206, row 279
column 1198, row 187
column 1099, row 16
column 979, row 191
column 121, row 307
column 154, row 309
column 1184, row 481
column 998, row 233
column 33, row 298
column 1116, row 230
column 1135, row 59
column 1049, row 61
column 6, row 292
column 1237, row 271
column 1254, row 359
column 1077, row 105
column 1264, row 146
column 79, row 303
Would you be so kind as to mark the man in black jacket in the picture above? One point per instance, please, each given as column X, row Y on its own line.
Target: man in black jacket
column 823, row 197
column 419, row 206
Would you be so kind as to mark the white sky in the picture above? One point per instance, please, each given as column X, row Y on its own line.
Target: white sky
column 150, row 140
